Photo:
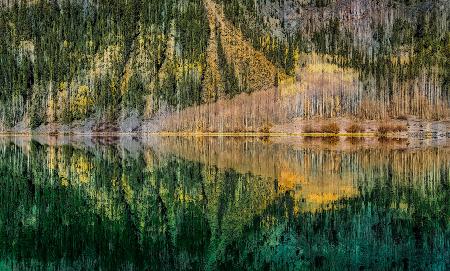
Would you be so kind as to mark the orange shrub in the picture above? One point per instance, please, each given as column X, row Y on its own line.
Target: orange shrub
column 400, row 128
column 385, row 128
column 331, row 128
column 308, row 128
column 355, row 128
column 266, row 128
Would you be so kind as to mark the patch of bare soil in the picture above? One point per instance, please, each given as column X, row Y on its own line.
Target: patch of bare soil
column 105, row 127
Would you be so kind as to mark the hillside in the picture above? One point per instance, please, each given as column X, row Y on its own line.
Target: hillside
column 220, row 66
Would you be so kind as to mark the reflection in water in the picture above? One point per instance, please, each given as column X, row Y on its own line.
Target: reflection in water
column 222, row 203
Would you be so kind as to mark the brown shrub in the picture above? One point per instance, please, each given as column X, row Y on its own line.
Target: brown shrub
column 331, row 140
column 266, row 128
column 400, row 128
column 355, row 140
column 330, row 128
column 385, row 128
column 355, row 128
column 402, row 117
column 308, row 128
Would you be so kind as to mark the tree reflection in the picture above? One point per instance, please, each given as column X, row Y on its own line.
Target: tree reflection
column 178, row 203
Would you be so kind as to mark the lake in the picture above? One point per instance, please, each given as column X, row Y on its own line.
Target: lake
column 208, row 203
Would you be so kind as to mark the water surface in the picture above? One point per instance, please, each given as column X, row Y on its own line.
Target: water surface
column 174, row 203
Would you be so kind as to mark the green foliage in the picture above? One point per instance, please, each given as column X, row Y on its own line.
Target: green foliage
column 134, row 97
column 61, row 41
column 46, row 43
column 152, row 208
column 231, row 82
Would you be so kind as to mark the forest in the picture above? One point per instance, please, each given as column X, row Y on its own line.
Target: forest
column 219, row 66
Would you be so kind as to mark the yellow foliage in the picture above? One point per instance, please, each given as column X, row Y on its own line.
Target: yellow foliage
column 63, row 86
column 90, row 44
column 52, row 158
column 182, row 67
column 323, row 67
column 403, row 59
column 127, row 190
column 82, row 101
column 318, row 74
column 64, row 181
column 51, row 110
column 141, row 40
column 112, row 86
column 26, row 46
column 104, row 61
column 322, row 198
column 296, row 56
column 183, row 197
column 82, row 168
column 126, row 79
column 240, row 52
column 288, row 180
column 62, row 174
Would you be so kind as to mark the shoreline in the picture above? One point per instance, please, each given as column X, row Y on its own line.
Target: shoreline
column 413, row 128
column 404, row 135
column 134, row 142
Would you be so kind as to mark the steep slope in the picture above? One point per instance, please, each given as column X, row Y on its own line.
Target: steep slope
column 253, row 70
column 213, row 82
column 219, row 65
column 247, row 61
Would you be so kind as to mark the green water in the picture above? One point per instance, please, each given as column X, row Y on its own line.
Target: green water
column 222, row 203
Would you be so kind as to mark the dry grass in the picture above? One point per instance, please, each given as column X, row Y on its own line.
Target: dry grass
column 355, row 128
